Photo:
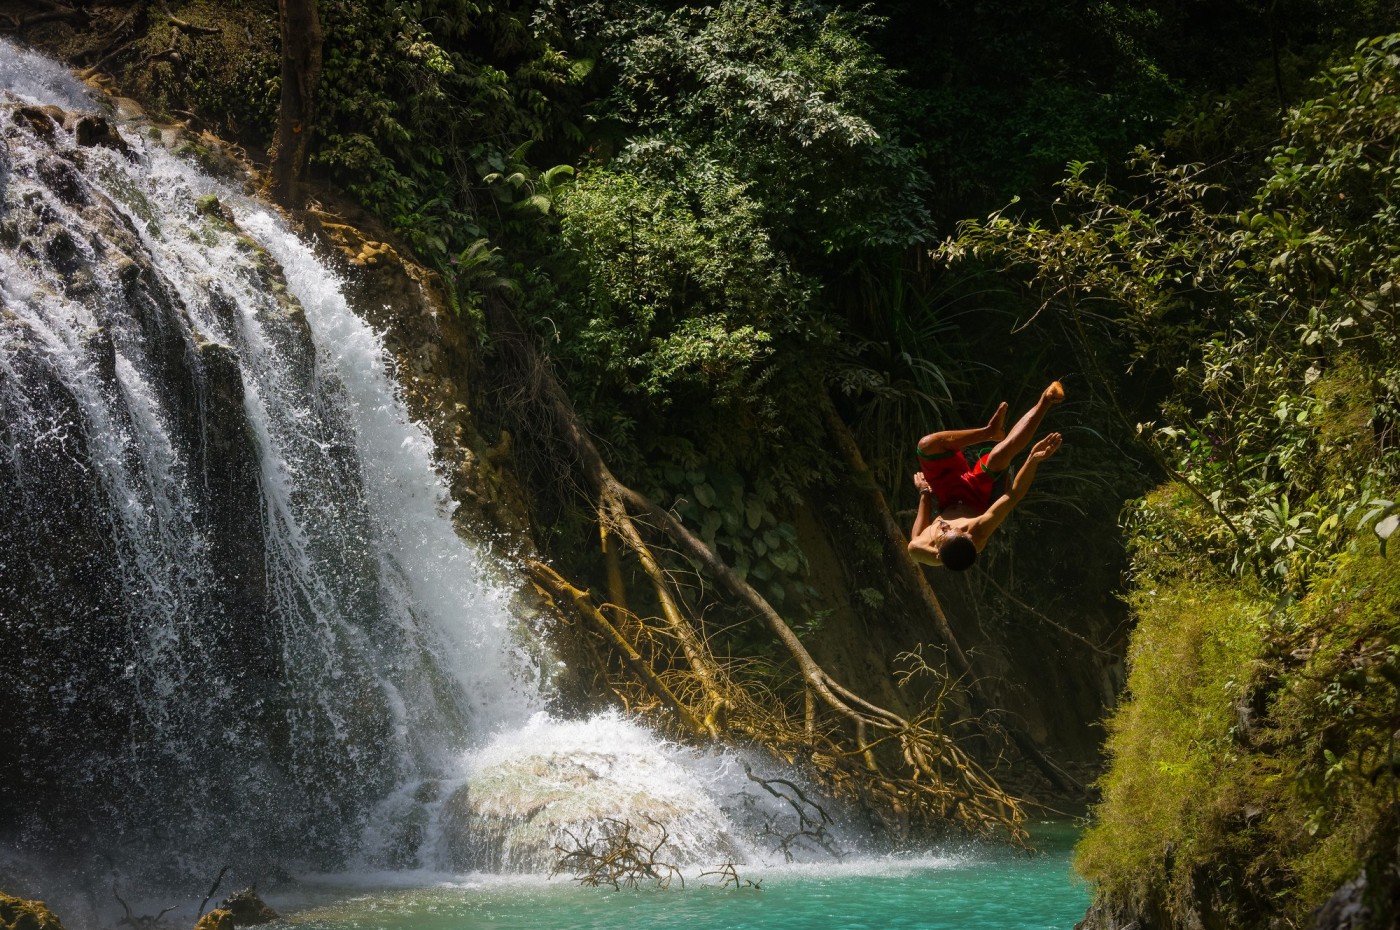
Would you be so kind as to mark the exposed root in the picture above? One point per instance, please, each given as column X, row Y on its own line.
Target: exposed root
column 730, row 876
column 812, row 818
column 139, row 921
column 931, row 781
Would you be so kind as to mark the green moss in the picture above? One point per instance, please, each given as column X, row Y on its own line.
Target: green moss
column 18, row 914
column 1253, row 759
column 1339, row 713
column 1192, row 657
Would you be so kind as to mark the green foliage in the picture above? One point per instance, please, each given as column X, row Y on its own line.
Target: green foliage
column 741, row 521
column 789, row 98
column 227, row 80
column 1254, row 765
column 427, row 110
column 736, row 148
column 1005, row 92
column 1242, row 62
column 681, row 290
column 1340, row 710
column 1253, row 761
column 1277, row 324
column 903, row 371
column 1192, row 655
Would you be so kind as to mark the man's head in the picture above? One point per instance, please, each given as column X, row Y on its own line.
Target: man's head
column 957, row 552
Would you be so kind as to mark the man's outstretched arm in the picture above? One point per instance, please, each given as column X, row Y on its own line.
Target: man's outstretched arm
column 925, row 514
column 920, row 549
column 983, row 526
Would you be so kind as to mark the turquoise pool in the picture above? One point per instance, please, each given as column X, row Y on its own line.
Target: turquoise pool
column 963, row 887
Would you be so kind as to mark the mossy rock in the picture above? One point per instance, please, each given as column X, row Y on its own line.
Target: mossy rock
column 218, row 919
column 18, row 914
column 246, row 908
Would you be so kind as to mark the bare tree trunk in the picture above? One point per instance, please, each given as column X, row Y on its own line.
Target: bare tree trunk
column 301, row 77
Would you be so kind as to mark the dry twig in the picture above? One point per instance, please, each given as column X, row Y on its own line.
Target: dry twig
column 617, row 858
column 139, row 921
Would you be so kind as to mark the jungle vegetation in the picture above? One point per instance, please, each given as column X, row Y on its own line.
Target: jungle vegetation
column 1253, row 764
column 723, row 270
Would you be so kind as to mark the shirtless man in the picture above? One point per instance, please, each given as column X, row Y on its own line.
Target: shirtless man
column 965, row 515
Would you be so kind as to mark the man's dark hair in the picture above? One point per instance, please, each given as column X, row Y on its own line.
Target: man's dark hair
column 958, row 553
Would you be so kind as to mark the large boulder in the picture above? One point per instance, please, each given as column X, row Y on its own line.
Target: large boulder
column 558, row 786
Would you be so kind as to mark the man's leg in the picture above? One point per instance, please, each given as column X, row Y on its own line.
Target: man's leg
column 951, row 439
column 999, row 459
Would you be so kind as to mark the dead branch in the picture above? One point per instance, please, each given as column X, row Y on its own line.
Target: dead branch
column 617, row 858
column 126, row 34
column 809, row 827
column 730, row 876
column 171, row 54
column 57, row 12
column 141, row 921
column 193, row 29
column 218, row 880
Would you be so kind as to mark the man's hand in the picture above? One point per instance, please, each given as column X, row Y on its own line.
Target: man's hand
column 1046, row 448
column 921, row 483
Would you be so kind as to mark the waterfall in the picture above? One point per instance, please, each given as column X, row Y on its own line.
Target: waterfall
column 237, row 622
column 229, row 567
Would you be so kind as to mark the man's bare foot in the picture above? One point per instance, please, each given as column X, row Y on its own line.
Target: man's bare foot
column 1054, row 394
column 996, row 426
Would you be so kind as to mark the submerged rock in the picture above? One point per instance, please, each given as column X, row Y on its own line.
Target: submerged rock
column 218, row 919
column 42, row 121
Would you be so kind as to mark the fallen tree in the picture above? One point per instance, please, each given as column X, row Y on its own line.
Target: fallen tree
column 911, row 768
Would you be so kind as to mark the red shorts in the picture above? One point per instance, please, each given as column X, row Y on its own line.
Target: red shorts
column 954, row 482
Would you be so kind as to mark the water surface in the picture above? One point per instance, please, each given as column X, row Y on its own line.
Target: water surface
column 968, row 888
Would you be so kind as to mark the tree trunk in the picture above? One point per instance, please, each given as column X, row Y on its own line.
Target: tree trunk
column 301, row 76
column 555, row 585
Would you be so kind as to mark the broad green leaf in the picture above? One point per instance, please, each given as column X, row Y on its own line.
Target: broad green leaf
column 705, row 494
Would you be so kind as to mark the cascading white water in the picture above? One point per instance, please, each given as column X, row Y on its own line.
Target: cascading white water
column 266, row 555
column 244, row 618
